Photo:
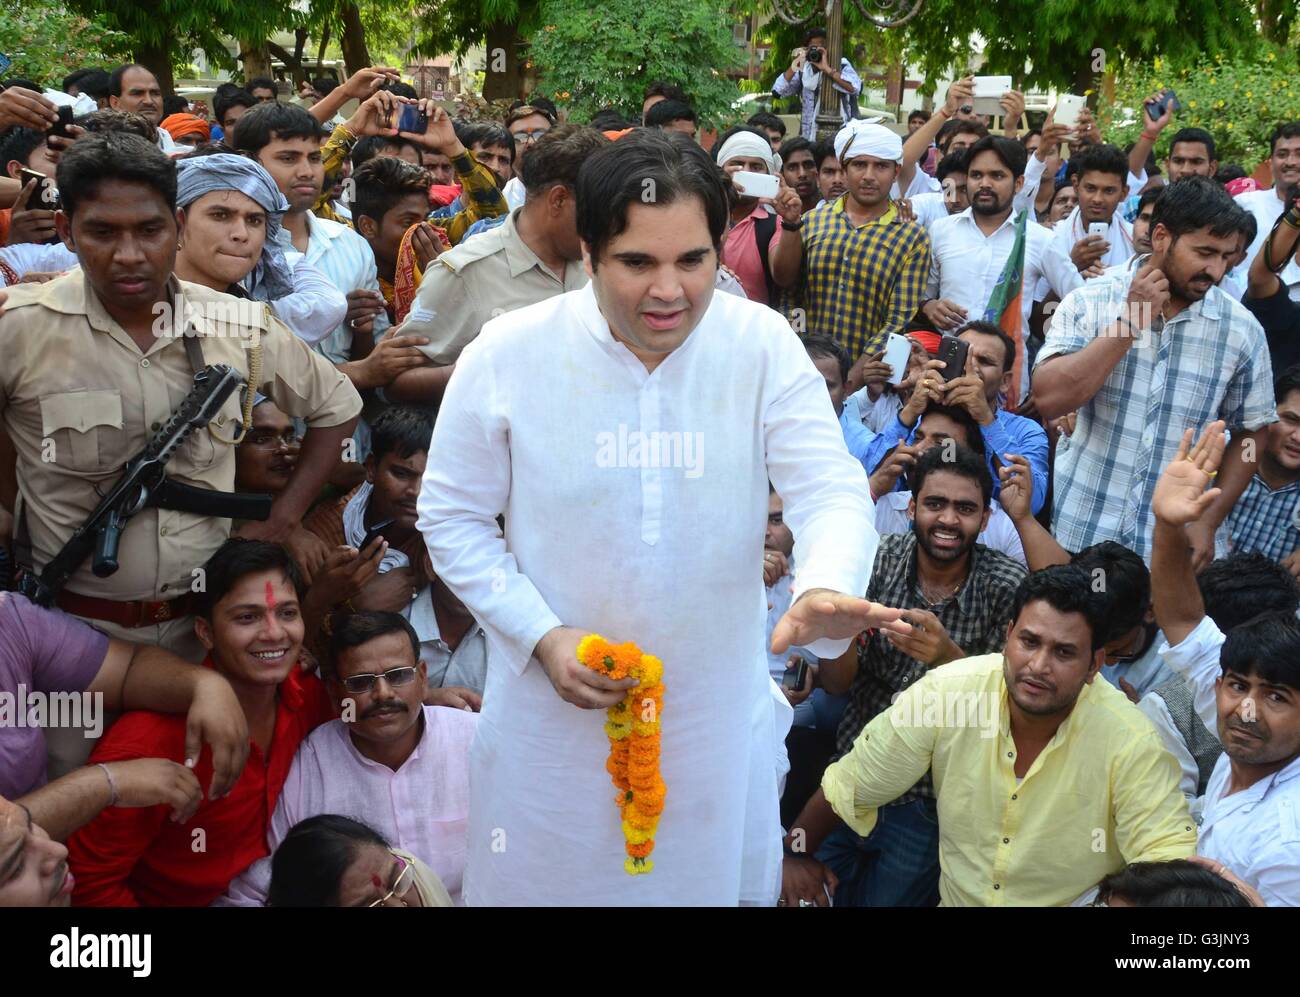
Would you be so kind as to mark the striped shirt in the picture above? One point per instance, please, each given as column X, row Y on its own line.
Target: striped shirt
column 1266, row 520
column 861, row 283
column 1209, row 362
column 348, row 262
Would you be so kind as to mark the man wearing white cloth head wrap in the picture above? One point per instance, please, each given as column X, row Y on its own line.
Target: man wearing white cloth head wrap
column 232, row 211
column 863, row 271
column 753, row 236
column 804, row 77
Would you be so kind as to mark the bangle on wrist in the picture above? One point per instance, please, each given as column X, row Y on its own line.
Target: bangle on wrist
column 792, row 227
column 112, row 785
column 1150, row 137
column 947, row 114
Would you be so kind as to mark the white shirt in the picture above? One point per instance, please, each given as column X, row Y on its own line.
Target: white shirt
column 1254, row 832
column 421, row 808
column 548, row 420
column 1266, row 206
column 514, row 193
column 466, row 666
column 929, row 208
column 35, row 257
column 1070, row 230
column 1189, row 779
column 999, row 535
column 1028, row 191
column 315, row 307
column 965, row 265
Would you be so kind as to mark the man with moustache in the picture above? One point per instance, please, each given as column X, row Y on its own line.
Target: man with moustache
column 391, row 760
column 1270, row 204
column 1144, row 355
column 861, row 270
column 1245, row 685
column 638, row 550
column 250, row 621
column 799, row 170
column 1267, row 516
column 1046, row 779
column 957, row 594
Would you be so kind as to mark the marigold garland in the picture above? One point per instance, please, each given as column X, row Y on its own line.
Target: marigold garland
column 632, row 726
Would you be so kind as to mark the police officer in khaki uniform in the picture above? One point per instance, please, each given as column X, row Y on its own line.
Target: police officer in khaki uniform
column 531, row 256
column 95, row 362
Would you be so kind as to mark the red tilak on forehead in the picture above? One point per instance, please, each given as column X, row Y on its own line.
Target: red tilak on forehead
column 270, row 596
column 379, row 883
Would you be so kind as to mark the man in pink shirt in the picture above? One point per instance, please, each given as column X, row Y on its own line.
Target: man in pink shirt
column 754, row 235
column 390, row 761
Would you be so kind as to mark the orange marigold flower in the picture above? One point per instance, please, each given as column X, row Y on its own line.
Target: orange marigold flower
column 642, row 850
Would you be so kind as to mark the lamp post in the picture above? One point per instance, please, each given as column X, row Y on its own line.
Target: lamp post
column 882, row 13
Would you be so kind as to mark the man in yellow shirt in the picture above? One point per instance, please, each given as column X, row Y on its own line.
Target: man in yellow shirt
column 1047, row 780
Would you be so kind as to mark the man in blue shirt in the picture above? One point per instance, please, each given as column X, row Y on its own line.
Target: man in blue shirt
column 980, row 391
column 832, row 362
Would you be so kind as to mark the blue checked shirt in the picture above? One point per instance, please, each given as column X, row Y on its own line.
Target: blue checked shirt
column 1266, row 520
column 860, row 284
column 1209, row 362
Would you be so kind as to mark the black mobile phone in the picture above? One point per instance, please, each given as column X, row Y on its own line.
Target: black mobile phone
column 412, row 120
column 60, row 127
column 1166, row 99
column 46, row 195
column 796, row 678
column 375, row 531
column 952, row 351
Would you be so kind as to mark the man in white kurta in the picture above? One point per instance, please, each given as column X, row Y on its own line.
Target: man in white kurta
column 633, row 498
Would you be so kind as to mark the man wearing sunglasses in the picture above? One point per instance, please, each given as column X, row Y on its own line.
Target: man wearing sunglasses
column 391, row 759
column 526, row 125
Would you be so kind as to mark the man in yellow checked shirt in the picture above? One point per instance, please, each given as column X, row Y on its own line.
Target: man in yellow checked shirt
column 627, row 432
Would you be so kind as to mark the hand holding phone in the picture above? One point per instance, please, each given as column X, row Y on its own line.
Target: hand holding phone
column 898, row 351
column 756, row 184
column 953, row 351
column 1167, row 101
column 1068, row 106
column 412, row 120
column 374, row 532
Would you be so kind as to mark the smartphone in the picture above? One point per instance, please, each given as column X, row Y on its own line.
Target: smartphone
column 898, row 351
column 60, row 128
column 988, row 91
column 1165, row 100
column 412, row 119
column 375, row 531
column 952, row 351
column 1068, row 106
column 796, row 677
column 47, row 195
column 1099, row 228
column 757, row 184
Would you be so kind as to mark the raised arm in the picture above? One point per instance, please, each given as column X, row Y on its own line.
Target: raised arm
column 1262, row 280
column 358, row 86
column 1137, row 157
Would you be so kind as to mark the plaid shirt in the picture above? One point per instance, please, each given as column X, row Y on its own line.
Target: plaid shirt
column 1209, row 362
column 1266, row 520
column 860, row 284
column 480, row 194
column 975, row 616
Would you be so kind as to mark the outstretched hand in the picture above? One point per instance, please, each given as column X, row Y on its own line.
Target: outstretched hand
column 822, row 613
column 1181, row 495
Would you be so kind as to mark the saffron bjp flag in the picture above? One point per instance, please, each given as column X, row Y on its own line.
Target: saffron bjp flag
column 1004, row 308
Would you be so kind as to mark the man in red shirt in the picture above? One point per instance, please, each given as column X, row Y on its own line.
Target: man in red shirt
column 250, row 621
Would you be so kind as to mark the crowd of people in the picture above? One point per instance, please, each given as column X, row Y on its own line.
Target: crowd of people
column 1021, row 629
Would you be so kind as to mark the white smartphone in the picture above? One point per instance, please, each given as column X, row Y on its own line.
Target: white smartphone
column 1068, row 106
column 757, row 184
column 1099, row 228
column 898, row 350
column 988, row 92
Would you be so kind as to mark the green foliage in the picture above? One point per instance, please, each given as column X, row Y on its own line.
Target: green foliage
column 598, row 55
column 454, row 27
column 1040, row 43
column 1239, row 101
column 46, row 41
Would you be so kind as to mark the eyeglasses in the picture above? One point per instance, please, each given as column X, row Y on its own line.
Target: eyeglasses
column 394, row 677
column 406, row 873
column 532, row 136
column 263, row 441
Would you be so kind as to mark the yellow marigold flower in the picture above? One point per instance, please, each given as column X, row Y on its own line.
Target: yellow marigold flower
column 1249, row 95
column 1229, row 126
column 636, row 835
column 651, row 670
column 1271, row 56
column 1192, row 103
column 638, row 867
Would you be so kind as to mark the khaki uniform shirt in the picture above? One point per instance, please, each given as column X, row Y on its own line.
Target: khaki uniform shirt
column 79, row 399
column 485, row 276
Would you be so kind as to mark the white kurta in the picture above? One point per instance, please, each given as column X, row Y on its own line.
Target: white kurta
column 540, row 423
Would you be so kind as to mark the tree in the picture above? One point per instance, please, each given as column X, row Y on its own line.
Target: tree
column 1061, row 43
column 592, row 56
column 45, row 42
column 1239, row 101
column 501, row 25
column 164, row 32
